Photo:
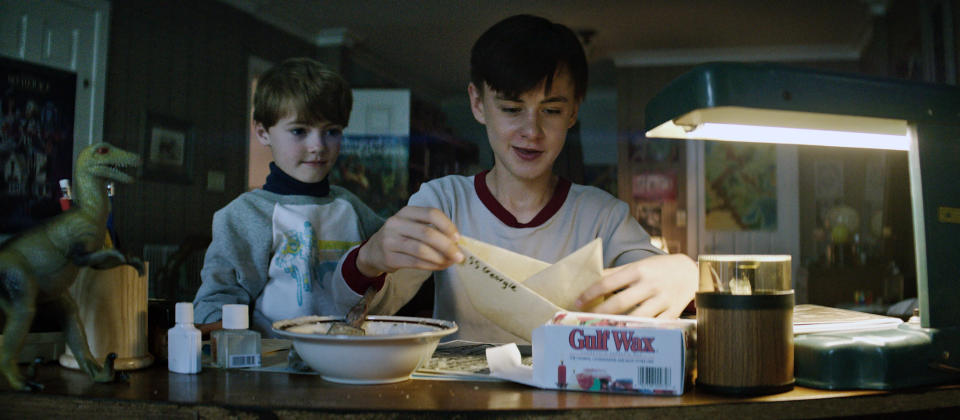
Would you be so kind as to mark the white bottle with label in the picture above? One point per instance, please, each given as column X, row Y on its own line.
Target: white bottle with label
column 235, row 346
column 183, row 342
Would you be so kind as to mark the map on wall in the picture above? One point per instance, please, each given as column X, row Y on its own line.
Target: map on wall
column 741, row 186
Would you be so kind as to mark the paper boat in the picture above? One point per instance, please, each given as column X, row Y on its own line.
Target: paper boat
column 520, row 293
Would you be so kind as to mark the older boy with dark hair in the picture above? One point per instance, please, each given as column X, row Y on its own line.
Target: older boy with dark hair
column 276, row 248
column 529, row 76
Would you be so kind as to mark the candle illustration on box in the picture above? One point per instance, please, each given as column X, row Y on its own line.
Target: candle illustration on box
column 561, row 375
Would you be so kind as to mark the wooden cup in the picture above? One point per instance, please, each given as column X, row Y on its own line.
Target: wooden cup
column 745, row 343
column 112, row 305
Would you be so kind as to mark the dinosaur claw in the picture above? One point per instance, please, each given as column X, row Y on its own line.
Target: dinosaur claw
column 107, row 374
column 117, row 376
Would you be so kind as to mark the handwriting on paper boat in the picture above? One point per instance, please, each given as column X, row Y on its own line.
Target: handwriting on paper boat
column 485, row 269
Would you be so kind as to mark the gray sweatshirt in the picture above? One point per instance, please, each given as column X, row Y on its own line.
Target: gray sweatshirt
column 278, row 254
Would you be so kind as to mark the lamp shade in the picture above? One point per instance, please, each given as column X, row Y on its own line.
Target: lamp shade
column 786, row 88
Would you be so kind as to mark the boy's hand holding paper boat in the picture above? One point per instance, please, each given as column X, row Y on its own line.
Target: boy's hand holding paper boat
column 520, row 293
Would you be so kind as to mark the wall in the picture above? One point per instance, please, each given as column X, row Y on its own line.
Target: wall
column 635, row 87
column 598, row 126
column 186, row 60
column 460, row 118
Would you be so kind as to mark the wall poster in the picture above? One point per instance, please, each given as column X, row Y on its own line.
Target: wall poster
column 375, row 168
column 741, row 186
column 36, row 141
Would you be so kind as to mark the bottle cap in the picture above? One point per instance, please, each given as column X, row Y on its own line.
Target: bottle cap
column 184, row 313
column 235, row 317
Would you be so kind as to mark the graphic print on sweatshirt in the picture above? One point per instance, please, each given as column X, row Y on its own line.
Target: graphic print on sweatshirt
column 308, row 242
column 298, row 247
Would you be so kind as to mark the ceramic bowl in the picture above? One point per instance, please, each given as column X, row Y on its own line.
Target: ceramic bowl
column 392, row 349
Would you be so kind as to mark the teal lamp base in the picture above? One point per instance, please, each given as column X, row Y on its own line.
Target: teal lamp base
column 903, row 357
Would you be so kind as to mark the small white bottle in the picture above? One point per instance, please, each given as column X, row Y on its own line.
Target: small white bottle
column 235, row 346
column 183, row 342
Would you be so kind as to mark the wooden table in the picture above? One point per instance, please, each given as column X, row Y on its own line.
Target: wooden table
column 156, row 393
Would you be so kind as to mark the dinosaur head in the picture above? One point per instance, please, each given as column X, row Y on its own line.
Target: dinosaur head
column 107, row 161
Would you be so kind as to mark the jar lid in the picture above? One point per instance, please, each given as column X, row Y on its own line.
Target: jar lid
column 235, row 317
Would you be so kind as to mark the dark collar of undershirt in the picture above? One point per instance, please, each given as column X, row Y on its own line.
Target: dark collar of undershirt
column 278, row 182
column 552, row 207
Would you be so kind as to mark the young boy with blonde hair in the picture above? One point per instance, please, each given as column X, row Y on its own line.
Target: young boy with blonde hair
column 276, row 248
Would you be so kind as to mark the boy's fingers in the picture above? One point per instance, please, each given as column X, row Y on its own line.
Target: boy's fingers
column 610, row 271
column 651, row 308
column 625, row 300
column 434, row 217
column 672, row 312
column 446, row 241
column 418, row 226
column 419, row 237
column 423, row 251
column 443, row 224
column 408, row 261
column 613, row 279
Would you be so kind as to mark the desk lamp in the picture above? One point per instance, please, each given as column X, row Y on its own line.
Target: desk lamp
column 771, row 103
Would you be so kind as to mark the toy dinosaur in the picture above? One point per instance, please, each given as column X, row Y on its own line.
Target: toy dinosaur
column 38, row 266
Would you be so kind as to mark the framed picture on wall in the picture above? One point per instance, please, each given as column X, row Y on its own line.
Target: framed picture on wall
column 167, row 150
column 374, row 167
column 740, row 186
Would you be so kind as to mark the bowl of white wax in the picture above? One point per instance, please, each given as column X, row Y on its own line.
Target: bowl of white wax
column 392, row 348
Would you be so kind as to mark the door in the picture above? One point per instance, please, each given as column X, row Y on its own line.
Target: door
column 68, row 35
column 258, row 155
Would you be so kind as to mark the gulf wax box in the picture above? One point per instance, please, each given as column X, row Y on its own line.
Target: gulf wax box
column 614, row 353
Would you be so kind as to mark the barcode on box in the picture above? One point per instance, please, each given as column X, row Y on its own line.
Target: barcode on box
column 653, row 376
column 244, row 360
